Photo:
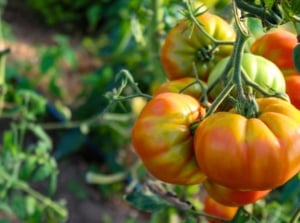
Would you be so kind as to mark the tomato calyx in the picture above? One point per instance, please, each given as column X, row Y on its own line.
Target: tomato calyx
column 248, row 107
column 206, row 53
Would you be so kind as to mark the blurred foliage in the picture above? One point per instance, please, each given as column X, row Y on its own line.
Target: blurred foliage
column 73, row 14
column 125, row 41
column 44, row 128
column 25, row 160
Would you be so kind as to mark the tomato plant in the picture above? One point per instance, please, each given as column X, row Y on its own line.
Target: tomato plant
column 278, row 47
column 256, row 69
column 162, row 138
column 231, row 197
column 293, row 88
column 186, row 85
column 214, row 208
column 255, row 153
column 186, row 44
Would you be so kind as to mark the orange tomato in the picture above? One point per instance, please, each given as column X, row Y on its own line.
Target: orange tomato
column 162, row 138
column 278, row 47
column 186, row 44
column 214, row 208
column 182, row 84
column 231, row 197
column 255, row 153
column 293, row 89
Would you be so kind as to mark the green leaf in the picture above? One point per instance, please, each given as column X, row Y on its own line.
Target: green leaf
column 244, row 217
column 48, row 61
column 6, row 208
column 53, row 183
column 70, row 143
column 94, row 15
column 158, row 216
column 191, row 219
column 295, row 6
column 290, row 190
column 255, row 27
column 61, row 40
column 146, row 202
column 54, row 87
column 296, row 57
column 30, row 205
column 18, row 205
column 28, row 167
column 9, row 143
column 42, row 172
column 269, row 3
column 43, row 137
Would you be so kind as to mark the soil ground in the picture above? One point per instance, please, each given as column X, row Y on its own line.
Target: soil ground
column 28, row 32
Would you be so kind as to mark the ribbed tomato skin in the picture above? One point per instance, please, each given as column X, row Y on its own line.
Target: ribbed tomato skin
column 162, row 138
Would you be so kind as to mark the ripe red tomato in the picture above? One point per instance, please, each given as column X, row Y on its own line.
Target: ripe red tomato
column 184, row 45
column 278, row 47
column 177, row 85
column 293, row 89
column 231, row 197
column 257, row 153
column 214, row 208
column 162, row 138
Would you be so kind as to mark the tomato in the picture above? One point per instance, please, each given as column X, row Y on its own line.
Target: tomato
column 181, row 84
column 137, row 104
column 258, row 69
column 214, row 208
column 162, row 138
column 293, row 89
column 278, row 47
column 184, row 45
column 231, row 197
column 256, row 153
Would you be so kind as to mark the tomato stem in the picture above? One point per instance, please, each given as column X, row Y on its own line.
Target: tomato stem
column 129, row 80
column 218, row 100
column 179, row 203
column 154, row 43
column 270, row 17
column 223, row 77
column 216, row 42
column 3, row 54
column 204, row 98
column 23, row 186
column 237, row 63
column 254, row 85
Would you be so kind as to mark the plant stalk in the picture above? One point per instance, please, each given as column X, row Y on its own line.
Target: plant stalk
column 21, row 185
column 154, row 43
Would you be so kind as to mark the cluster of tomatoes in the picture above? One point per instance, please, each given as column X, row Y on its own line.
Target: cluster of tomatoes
column 238, row 158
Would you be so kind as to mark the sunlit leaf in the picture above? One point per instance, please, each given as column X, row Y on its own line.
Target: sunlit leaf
column 269, row 3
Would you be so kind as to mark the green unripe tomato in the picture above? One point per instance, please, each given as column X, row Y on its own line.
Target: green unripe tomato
column 257, row 69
